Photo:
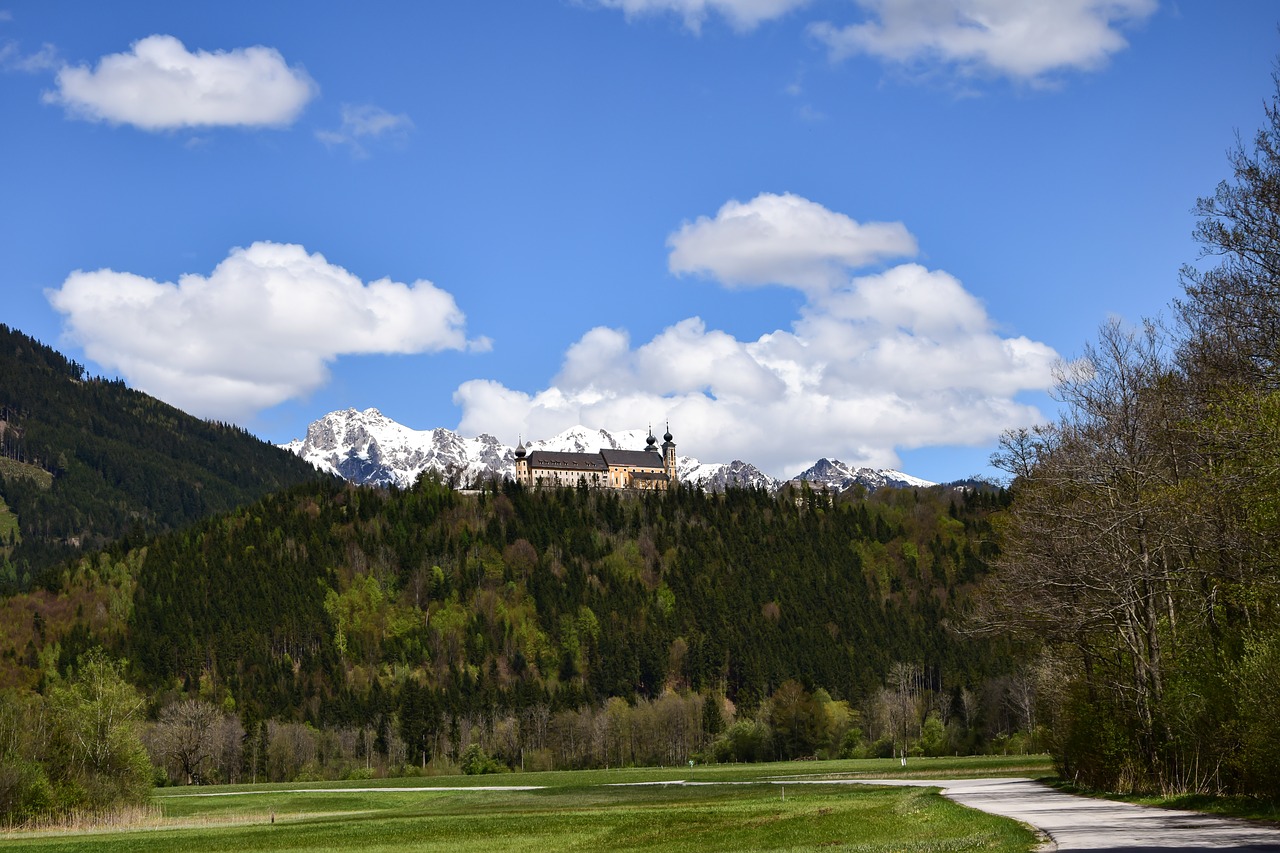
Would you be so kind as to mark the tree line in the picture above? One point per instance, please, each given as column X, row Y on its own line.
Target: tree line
column 1141, row 545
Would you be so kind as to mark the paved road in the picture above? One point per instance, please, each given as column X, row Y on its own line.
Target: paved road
column 1082, row 823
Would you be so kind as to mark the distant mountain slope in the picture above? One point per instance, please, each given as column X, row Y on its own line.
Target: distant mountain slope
column 369, row 448
column 718, row 476
column 836, row 476
column 122, row 461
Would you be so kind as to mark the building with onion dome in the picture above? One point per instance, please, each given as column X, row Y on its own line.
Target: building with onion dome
column 650, row 469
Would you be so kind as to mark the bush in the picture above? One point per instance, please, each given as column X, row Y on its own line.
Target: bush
column 745, row 741
column 310, row 772
column 476, row 762
column 933, row 737
column 1092, row 747
column 883, row 748
column 25, row 793
column 852, row 744
column 1258, row 758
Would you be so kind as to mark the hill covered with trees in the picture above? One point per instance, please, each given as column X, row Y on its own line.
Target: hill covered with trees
column 572, row 596
column 329, row 626
column 85, row 461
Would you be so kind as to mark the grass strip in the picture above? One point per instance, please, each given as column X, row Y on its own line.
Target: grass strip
column 577, row 813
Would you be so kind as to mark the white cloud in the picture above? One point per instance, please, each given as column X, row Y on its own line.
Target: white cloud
column 742, row 15
column 259, row 330
column 902, row 358
column 783, row 239
column 1020, row 39
column 160, row 85
column 364, row 122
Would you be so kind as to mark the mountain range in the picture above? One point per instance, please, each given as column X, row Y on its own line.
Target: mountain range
column 370, row 448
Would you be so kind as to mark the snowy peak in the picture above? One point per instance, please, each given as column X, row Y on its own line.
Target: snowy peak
column 836, row 476
column 369, row 448
column 718, row 476
column 580, row 439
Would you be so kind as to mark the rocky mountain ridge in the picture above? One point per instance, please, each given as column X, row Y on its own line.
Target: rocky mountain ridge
column 370, row 448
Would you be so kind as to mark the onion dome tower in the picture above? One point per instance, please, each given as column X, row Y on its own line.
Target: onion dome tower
column 522, row 464
column 669, row 456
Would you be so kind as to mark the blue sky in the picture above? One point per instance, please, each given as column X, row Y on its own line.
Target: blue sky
column 860, row 229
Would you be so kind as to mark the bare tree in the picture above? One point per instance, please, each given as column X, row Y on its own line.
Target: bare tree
column 1118, row 545
column 186, row 736
column 904, row 699
column 1232, row 309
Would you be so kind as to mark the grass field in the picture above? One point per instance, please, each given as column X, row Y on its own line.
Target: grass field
column 717, row 808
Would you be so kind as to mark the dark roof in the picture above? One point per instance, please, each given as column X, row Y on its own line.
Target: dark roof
column 648, row 475
column 566, row 461
column 638, row 458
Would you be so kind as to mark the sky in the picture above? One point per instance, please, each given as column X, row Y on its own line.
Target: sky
column 864, row 230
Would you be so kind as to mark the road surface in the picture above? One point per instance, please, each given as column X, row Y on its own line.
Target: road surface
column 1083, row 823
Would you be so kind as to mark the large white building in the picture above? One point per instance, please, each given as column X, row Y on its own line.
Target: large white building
column 649, row 469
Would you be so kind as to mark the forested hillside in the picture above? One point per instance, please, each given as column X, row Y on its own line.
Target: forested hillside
column 331, row 624
column 85, row 461
column 576, row 596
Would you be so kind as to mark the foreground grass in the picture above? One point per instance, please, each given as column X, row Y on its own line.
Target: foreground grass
column 721, row 809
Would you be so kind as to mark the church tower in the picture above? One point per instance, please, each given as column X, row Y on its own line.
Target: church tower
column 669, row 457
column 522, row 465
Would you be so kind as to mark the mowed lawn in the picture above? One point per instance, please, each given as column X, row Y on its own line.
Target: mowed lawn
column 794, row 806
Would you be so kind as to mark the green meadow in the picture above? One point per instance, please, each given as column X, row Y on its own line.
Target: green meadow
column 783, row 806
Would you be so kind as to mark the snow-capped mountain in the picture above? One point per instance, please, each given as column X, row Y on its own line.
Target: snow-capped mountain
column 579, row 439
column 717, row 476
column 368, row 447
column 836, row 476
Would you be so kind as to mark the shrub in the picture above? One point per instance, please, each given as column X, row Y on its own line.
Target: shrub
column 476, row 762
column 745, row 741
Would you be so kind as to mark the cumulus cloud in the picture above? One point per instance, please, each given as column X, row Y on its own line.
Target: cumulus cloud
column 742, row 15
column 783, row 239
column 1019, row 39
column 362, row 123
column 160, row 85
column 900, row 358
column 259, row 330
